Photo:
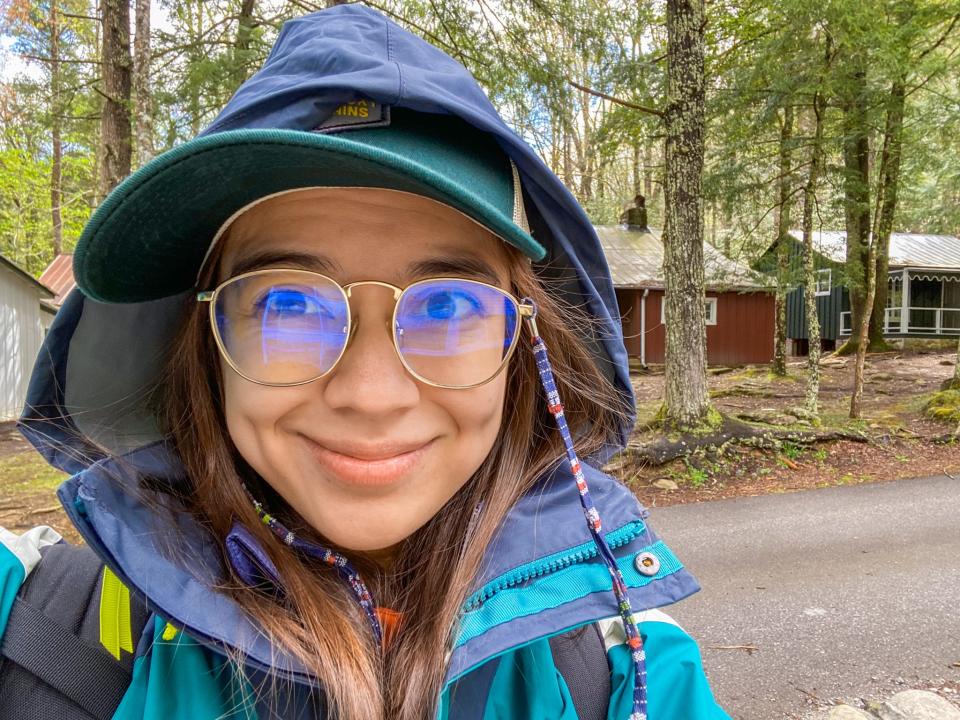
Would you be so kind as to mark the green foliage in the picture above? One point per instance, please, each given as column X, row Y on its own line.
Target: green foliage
column 530, row 58
column 944, row 405
column 791, row 450
column 694, row 475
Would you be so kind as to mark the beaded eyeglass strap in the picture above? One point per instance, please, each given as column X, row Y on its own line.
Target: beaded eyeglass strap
column 330, row 557
column 634, row 640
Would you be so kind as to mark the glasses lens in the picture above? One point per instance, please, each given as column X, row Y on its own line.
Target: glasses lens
column 455, row 332
column 282, row 326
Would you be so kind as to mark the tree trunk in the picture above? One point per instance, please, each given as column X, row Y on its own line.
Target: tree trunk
column 241, row 47
column 809, row 274
column 856, row 194
column 863, row 331
column 586, row 147
column 956, row 368
column 56, row 112
column 784, row 207
column 887, row 206
column 143, row 117
column 555, row 144
column 713, row 230
column 647, row 172
column 115, row 143
column 687, row 401
column 196, row 40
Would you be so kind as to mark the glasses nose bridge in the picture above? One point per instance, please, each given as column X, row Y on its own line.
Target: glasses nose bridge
column 348, row 289
column 354, row 321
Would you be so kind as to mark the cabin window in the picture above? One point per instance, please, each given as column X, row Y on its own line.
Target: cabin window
column 709, row 311
column 824, row 278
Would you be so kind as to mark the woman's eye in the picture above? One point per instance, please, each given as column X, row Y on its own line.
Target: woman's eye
column 450, row 305
column 292, row 303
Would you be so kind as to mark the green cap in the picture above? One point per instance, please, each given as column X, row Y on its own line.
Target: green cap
column 150, row 236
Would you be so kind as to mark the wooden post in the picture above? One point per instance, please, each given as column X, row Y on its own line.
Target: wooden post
column 905, row 303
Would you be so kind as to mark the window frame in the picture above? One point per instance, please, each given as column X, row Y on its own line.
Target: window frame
column 710, row 300
column 817, row 291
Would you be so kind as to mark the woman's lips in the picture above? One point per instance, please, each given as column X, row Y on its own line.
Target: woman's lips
column 379, row 466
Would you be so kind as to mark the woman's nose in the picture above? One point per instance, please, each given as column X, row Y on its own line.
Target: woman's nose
column 370, row 378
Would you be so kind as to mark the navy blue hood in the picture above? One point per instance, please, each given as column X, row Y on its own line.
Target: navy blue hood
column 89, row 407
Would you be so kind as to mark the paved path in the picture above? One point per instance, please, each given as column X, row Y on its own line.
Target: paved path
column 843, row 591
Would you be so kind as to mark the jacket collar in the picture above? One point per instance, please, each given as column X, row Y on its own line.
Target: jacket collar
column 135, row 539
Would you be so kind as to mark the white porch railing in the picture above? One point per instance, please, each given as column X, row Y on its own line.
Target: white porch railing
column 920, row 320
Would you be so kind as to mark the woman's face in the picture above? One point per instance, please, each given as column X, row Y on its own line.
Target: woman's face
column 366, row 454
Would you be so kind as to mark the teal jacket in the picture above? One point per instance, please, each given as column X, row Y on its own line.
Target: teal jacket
column 88, row 414
column 179, row 677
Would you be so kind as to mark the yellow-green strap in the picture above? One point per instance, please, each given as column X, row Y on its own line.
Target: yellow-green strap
column 115, row 631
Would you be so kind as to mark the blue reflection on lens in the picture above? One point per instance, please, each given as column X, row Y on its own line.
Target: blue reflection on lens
column 292, row 303
column 294, row 320
column 510, row 316
column 450, row 317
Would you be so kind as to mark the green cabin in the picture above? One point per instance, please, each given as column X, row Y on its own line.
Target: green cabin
column 923, row 284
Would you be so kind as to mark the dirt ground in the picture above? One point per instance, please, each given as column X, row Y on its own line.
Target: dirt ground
column 28, row 487
column 900, row 440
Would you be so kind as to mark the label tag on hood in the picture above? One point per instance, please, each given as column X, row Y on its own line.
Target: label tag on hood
column 356, row 114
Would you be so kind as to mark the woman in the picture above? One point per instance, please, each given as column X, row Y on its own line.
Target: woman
column 306, row 401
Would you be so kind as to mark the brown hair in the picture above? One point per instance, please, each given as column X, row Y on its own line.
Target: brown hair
column 317, row 620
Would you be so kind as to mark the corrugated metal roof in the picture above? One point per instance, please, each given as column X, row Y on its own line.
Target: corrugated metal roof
column 636, row 260
column 906, row 249
column 59, row 276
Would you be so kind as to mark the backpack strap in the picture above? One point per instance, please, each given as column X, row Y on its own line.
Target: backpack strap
column 581, row 658
column 61, row 653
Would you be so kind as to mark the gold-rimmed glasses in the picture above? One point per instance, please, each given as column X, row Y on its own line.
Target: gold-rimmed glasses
column 281, row 327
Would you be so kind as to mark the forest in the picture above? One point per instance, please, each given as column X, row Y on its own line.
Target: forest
column 737, row 120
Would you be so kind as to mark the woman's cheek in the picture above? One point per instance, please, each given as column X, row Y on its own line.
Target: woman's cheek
column 252, row 412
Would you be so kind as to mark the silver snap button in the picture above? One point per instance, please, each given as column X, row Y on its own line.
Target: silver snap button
column 647, row 564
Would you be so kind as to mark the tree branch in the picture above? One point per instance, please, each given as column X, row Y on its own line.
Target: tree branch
column 618, row 101
column 59, row 60
column 939, row 42
column 78, row 17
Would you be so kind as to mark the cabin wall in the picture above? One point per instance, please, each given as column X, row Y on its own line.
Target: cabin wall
column 21, row 335
column 829, row 308
column 743, row 333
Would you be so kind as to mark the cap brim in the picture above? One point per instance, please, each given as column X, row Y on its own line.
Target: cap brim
column 149, row 237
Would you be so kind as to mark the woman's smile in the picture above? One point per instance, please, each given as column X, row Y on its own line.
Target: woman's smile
column 381, row 464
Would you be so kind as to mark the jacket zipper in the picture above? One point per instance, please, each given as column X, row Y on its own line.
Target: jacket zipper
column 585, row 551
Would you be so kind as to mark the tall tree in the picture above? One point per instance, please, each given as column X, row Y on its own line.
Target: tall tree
column 863, row 329
column 812, row 396
column 887, row 193
column 783, row 242
column 46, row 125
column 687, row 400
column 56, row 138
column 115, row 68
column 143, row 115
column 241, row 45
column 856, row 183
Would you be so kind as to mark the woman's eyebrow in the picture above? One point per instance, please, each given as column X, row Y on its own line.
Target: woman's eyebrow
column 457, row 265
column 290, row 258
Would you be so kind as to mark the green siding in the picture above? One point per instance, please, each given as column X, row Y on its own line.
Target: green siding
column 828, row 310
column 828, row 306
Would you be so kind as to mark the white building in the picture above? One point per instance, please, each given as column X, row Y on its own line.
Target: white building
column 26, row 313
